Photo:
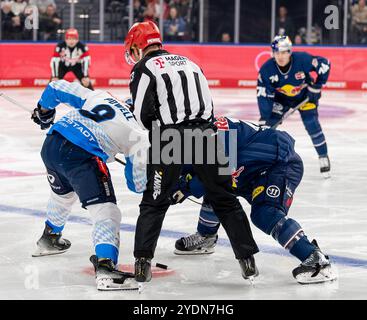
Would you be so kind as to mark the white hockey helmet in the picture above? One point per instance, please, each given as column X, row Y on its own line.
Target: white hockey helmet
column 281, row 44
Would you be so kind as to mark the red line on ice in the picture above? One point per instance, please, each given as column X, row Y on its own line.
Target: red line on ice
column 12, row 173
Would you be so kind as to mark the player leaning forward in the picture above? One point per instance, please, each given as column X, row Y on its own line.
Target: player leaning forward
column 73, row 56
column 267, row 173
column 284, row 81
column 75, row 153
column 171, row 91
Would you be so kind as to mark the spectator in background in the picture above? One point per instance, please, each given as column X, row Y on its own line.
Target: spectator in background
column 298, row 39
column 150, row 13
column 18, row 6
column 226, row 37
column 7, row 21
column 359, row 22
column 284, row 24
column 174, row 26
column 182, row 7
column 42, row 4
column 50, row 22
column 138, row 11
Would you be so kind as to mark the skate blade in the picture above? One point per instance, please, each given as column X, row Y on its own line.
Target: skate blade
column 326, row 275
column 326, row 175
column 42, row 252
column 251, row 278
column 194, row 252
column 109, row 285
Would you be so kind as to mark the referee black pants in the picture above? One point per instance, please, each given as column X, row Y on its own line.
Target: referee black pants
column 162, row 178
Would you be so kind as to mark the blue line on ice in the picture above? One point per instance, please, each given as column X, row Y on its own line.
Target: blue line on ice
column 350, row 262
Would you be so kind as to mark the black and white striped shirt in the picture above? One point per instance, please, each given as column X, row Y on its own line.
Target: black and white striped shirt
column 169, row 88
column 69, row 57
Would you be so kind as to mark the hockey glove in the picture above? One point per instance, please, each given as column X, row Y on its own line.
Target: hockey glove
column 43, row 118
column 313, row 93
column 263, row 125
column 130, row 103
column 182, row 190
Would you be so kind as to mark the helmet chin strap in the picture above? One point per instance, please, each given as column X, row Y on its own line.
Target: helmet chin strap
column 131, row 58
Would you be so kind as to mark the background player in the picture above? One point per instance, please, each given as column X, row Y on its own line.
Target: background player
column 267, row 175
column 75, row 153
column 71, row 56
column 284, row 81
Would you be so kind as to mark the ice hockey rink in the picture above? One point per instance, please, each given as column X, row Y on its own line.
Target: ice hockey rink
column 332, row 211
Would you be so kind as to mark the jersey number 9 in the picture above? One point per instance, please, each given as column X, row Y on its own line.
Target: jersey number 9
column 100, row 113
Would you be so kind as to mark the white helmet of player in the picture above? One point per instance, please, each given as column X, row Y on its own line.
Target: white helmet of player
column 281, row 44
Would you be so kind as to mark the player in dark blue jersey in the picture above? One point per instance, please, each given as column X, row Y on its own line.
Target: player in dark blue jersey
column 284, row 81
column 267, row 174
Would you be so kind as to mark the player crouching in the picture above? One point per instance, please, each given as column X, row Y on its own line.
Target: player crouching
column 268, row 173
column 73, row 56
column 75, row 153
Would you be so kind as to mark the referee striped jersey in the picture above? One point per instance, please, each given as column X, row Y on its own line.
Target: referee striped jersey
column 69, row 57
column 169, row 88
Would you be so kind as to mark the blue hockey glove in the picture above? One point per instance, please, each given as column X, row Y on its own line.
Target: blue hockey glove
column 130, row 103
column 182, row 190
column 43, row 118
column 313, row 93
column 276, row 115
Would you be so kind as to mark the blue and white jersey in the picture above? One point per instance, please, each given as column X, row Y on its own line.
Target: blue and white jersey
column 101, row 125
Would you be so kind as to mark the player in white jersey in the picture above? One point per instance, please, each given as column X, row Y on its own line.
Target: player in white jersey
column 75, row 153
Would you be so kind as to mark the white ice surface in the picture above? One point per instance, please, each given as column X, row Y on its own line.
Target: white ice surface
column 332, row 211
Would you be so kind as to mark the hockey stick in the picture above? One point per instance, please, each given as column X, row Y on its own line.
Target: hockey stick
column 120, row 161
column 290, row 113
column 124, row 164
column 16, row 103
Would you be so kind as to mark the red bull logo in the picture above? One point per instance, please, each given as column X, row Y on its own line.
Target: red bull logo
column 221, row 123
column 291, row 91
column 235, row 175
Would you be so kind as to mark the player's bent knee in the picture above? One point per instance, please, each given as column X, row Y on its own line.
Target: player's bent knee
column 103, row 211
column 265, row 217
column 287, row 232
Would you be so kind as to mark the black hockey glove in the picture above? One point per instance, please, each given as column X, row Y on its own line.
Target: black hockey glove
column 313, row 93
column 43, row 118
column 130, row 103
column 182, row 190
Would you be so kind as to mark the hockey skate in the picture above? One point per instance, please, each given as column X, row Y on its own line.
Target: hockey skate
column 143, row 272
column 315, row 269
column 325, row 166
column 248, row 268
column 196, row 244
column 108, row 278
column 51, row 244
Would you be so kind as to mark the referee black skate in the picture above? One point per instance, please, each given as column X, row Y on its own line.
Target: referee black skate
column 171, row 96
